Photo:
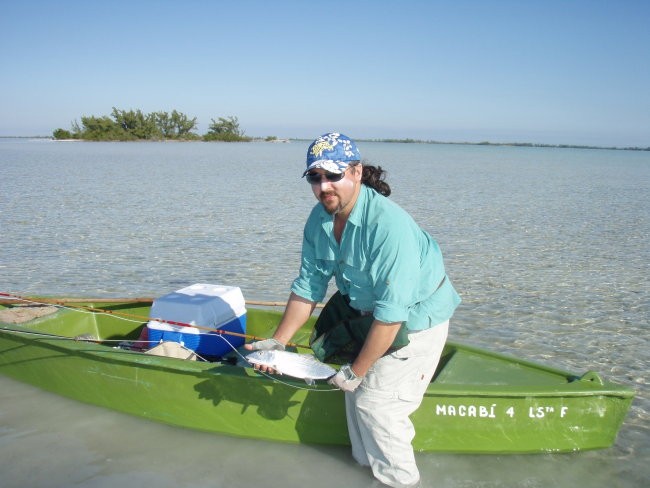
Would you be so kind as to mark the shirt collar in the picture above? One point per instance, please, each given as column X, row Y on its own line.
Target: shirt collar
column 359, row 205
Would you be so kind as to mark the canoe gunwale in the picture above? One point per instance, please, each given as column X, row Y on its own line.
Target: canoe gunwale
column 91, row 349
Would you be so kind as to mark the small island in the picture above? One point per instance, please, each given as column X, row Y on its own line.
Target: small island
column 134, row 125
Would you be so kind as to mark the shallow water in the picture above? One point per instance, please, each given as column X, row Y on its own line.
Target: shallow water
column 548, row 248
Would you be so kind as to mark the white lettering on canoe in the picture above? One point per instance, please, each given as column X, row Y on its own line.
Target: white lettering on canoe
column 480, row 411
column 540, row 412
column 489, row 411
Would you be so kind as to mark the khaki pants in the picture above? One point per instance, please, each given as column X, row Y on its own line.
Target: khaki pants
column 378, row 411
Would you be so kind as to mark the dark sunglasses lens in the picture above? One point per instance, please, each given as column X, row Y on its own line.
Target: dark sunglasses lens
column 316, row 178
column 313, row 178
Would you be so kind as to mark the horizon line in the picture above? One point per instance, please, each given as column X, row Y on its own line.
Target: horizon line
column 404, row 140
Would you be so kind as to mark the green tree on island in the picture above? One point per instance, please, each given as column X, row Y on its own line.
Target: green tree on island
column 225, row 129
column 175, row 126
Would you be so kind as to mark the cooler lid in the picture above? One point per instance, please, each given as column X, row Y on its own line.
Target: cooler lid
column 201, row 304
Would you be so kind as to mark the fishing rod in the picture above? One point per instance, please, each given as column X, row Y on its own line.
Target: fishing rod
column 261, row 303
column 141, row 318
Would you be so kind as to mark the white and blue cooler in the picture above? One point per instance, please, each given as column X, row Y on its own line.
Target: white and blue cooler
column 214, row 306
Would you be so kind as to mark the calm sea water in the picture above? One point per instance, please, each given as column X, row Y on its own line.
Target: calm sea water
column 548, row 248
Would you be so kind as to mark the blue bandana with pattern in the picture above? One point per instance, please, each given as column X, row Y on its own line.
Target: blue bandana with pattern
column 332, row 152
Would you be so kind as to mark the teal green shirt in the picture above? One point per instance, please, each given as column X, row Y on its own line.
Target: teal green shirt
column 385, row 263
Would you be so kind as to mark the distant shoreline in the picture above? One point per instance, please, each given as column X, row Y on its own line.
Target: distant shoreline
column 405, row 141
column 513, row 144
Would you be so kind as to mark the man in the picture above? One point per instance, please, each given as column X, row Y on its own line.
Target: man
column 390, row 315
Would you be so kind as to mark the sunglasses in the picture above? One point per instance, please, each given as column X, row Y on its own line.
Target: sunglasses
column 316, row 178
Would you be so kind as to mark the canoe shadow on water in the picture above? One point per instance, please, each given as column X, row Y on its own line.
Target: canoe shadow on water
column 272, row 405
column 314, row 416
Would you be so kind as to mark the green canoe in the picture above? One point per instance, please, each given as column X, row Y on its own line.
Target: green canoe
column 478, row 402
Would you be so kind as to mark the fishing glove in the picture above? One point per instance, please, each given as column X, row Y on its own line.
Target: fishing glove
column 267, row 345
column 345, row 379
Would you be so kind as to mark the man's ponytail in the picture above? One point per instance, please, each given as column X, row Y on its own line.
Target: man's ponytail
column 373, row 176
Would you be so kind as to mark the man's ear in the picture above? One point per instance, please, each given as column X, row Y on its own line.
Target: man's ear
column 358, row 172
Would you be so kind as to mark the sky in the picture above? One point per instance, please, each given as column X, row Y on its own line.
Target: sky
column 549, row 72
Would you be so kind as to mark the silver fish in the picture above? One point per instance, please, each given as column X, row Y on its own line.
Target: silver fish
column 302, row 366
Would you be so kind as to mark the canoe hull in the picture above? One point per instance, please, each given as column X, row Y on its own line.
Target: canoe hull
column 524, row 424
column 490, row 416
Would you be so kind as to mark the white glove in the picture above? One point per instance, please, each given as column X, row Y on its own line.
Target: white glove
column 346, row 379
column 267, row 345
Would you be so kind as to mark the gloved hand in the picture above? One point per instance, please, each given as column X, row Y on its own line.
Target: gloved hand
column 346, row 379
column 265, row 345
